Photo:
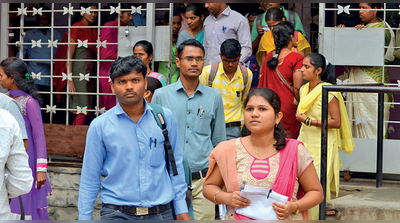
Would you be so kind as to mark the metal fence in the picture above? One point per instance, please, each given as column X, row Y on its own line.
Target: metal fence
column 381, row 90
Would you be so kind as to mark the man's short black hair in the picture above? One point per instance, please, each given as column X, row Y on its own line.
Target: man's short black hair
column 124, row 65
column 230, row 49
column 189, row 42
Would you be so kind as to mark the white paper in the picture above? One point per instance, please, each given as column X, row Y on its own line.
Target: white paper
column 261, row 205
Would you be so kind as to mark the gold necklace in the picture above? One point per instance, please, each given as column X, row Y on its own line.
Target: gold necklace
column 255, row 149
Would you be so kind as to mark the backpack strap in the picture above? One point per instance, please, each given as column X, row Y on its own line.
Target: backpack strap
column 213, row 72
column 245, row 77
column 158, row 114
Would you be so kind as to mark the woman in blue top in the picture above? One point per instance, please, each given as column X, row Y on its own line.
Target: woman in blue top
column 195, row 15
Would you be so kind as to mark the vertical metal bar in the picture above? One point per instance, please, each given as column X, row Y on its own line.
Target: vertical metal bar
column 384, row 45
column 321, row 28
column 98, row 57
column 67, row 95
column 21, row 33
column 5, row 33
column 150, row 23
column 324, row 146
column 51, row 62
column 171, row 22
column 379, row 157
column 4, row 30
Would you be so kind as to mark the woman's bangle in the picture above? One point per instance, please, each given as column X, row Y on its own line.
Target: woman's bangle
column 306, row 120
column 298, row 208
column 215, row 200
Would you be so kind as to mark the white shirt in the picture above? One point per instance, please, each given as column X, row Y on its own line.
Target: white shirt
column 15, row 175
column 14, row 108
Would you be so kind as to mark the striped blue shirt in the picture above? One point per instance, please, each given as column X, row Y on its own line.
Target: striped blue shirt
column 132, row 158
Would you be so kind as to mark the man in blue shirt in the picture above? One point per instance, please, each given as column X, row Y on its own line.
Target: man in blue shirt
column 34, row 51
column 128, row 145
column 201, row 120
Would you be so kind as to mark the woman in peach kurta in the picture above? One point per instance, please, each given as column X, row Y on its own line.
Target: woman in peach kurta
column 264, row 159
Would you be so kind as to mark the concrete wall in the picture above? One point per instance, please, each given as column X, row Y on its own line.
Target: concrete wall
column 63, row 203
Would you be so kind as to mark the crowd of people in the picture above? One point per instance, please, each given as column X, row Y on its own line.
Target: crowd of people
column 244, row 105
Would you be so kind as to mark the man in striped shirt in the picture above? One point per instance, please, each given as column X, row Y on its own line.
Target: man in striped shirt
column 233, row 81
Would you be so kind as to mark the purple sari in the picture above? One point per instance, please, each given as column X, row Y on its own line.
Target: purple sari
column 35, row 202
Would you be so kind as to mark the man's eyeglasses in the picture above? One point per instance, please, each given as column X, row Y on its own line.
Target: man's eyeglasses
column 190, row 59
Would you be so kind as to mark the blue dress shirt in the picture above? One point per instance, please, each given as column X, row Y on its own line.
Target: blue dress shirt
column 132, row 158
column 43, row 52
column 201, row 120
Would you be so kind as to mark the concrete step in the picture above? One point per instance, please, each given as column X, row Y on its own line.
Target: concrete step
column 359, row 199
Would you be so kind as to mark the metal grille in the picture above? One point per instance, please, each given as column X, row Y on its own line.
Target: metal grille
column 333, row 14
column 61, row 21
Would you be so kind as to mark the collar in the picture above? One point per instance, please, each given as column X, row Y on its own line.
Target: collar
column 119, row 110
column 178, row 86
column 226, row 12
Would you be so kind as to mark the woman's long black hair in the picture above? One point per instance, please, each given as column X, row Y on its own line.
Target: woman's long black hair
column 274, row 100
column 16, row 68
column 282, row 34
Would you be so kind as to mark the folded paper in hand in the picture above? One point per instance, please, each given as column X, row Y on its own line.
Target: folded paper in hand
column 261, row 203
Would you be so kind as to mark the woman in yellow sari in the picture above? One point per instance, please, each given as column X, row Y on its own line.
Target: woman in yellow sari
column 370, row 75
column 273, row 17
column 316, row 71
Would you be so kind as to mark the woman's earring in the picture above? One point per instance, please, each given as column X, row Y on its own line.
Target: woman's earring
column 12, row 81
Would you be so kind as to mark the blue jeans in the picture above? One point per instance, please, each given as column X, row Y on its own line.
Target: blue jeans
column 111, row 214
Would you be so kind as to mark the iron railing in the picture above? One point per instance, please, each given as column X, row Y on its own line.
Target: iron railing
column 365, row 88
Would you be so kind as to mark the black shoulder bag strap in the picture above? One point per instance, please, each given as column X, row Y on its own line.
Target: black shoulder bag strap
column 169, row 154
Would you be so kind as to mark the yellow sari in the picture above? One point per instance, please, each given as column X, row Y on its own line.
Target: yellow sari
column 311, row 105
column 267, row 44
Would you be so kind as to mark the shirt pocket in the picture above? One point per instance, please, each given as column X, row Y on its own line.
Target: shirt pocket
column 227, row 32
column 203, row 124
column 157, row 156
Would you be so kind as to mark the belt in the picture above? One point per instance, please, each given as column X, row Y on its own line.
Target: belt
column 233, row 124
column 196, row 175
column 139, row 210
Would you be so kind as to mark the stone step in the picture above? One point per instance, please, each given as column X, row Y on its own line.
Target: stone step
column 369, row 204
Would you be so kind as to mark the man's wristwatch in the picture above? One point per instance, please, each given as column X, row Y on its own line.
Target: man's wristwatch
column 298, row 208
